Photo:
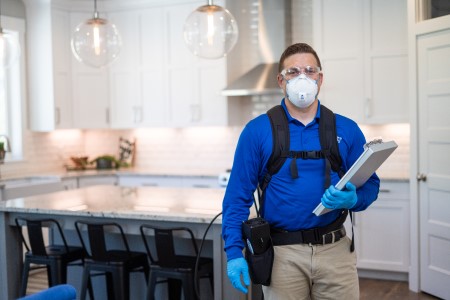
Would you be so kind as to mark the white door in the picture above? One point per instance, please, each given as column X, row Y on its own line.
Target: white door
column 434, row 161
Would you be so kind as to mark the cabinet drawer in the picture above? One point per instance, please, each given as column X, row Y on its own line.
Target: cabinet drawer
column 170, row 181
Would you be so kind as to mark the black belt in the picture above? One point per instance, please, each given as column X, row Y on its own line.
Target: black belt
column 317, row 236
column 310, row 236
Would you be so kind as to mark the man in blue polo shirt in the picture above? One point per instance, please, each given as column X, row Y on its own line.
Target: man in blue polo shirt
column 309, row 269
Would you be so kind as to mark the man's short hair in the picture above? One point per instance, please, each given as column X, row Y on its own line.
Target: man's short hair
column 297, row 48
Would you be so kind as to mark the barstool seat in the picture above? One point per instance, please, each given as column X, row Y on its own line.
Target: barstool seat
column 179, row 270
column 56, row 258
column 115, row 264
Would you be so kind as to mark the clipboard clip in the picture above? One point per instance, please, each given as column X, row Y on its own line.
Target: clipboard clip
column 373, row 142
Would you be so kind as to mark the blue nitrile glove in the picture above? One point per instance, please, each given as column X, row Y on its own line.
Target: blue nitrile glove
column 236, row 267
column 335, row 199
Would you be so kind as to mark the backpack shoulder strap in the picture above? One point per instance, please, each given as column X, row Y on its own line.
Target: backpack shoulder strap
column 280, row 142
column 328, row 143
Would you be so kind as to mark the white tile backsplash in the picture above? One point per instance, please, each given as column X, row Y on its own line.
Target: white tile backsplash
column 208, row 149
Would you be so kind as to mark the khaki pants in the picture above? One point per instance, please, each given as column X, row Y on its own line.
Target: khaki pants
column 305, row 271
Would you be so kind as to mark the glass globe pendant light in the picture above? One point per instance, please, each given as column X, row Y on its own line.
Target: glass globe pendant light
column 210, row 31
column 96, row 42
column 9, row 47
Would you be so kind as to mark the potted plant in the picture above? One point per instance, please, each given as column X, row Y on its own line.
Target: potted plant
column 106, row 162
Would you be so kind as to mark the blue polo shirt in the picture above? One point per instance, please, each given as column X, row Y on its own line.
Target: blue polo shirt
column 289, row 202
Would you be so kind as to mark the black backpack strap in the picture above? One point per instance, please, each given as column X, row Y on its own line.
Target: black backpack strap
column 329, row 145
column 280, row 149
column 280, row 142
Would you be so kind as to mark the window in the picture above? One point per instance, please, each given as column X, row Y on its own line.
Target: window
column 430, row 9
column 12, row 93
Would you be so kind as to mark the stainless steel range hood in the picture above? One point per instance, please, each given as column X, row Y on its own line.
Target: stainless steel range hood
column 261, row 80
column 262, row 41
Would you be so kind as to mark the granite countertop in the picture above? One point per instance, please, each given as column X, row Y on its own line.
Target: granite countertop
column 149, row 203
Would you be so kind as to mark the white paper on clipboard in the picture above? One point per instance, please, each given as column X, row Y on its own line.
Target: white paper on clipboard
column 374, row 155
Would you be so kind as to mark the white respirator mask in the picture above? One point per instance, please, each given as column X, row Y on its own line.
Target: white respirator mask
column 301, row 91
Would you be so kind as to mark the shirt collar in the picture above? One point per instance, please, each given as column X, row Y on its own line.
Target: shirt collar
column 291, row 119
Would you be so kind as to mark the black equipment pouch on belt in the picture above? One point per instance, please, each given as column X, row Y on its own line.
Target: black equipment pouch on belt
column 259, row 251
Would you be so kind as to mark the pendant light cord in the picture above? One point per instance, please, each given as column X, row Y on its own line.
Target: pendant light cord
column 95, row 10
column 1, row 29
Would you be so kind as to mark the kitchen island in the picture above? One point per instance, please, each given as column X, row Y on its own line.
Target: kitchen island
column 130, row 207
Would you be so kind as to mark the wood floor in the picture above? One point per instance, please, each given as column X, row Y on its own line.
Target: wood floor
column 370, row 289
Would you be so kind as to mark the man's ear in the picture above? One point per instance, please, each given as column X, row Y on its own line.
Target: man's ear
column 320, row 78
column 280, row 80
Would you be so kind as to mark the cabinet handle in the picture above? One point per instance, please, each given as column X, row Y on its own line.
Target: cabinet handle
column 57, row 116
column 203, row 186
column 385, row 191
column 367, row 108
column 195, row 113
column 149, row 184
column 107, row 115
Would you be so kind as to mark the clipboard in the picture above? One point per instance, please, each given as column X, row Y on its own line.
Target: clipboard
column 375, row 154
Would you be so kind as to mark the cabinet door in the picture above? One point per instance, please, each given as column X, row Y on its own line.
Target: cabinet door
column 201, row 182
column 213, row 107
column 181, row 72
column 154, row 106
column 97, row 180
column 338, row 40
column 62, row 79
column 70, row 183
column 362, row 46
column 194, row 83
column 150, row 180
column 90, row 89
column 386, row 61
column 124, row 83
column 382, row 240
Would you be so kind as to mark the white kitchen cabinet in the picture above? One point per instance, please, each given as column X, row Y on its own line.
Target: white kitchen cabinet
column 62, row 70
column 169, row 181
column 194, row 83
column 150, row 180
column 382, row 230
column 97, row 180
column 363, row 49
column 90, row 88
column 200, row 182
column 69, row 183
column 48, row 66
column 137, row 77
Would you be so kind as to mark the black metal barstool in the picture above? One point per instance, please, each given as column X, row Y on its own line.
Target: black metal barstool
column 56, row 258
column 177, row 269
column 115, row 264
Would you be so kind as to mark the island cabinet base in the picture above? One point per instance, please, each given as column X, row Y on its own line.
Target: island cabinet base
column 130, row 207
column 10, row 260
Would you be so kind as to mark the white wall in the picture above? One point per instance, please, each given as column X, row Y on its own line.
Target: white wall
column 209, row 150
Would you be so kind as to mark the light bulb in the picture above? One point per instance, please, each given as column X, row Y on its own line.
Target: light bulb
column 210, row 31
column 96, row 42
column 9, row 49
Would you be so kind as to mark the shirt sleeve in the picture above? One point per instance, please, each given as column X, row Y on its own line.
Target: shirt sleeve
column 240, row 190
column 368, row 192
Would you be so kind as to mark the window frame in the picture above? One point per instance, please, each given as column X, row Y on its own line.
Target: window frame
column 15, row 92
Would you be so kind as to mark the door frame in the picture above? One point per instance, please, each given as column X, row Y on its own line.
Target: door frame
column 416, row 28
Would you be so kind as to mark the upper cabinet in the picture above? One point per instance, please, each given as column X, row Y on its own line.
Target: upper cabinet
column 155, row 81
column 90, row 87
column 62, row 69
column 363, row 49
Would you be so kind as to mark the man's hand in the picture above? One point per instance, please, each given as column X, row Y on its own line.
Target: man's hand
column 335, row 199
column 236, row 267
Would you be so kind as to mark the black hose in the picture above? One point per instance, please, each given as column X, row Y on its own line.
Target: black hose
column 197, row 261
